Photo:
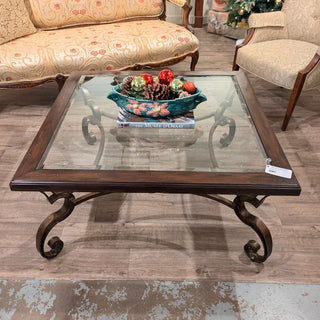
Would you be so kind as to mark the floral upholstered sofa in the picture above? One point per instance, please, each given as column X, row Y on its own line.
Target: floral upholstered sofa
column 45, row 40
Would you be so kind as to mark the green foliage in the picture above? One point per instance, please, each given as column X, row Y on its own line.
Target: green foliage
column 240, row 10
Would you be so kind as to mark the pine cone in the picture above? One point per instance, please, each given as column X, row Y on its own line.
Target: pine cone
column 126, row 84
column 157, row 91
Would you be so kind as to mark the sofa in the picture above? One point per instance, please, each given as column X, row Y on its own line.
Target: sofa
column 46, row 40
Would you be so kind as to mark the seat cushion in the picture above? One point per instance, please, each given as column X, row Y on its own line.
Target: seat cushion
column 277, row 61
column 94, row 48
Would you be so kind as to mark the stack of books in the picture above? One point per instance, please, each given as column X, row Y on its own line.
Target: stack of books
column 129, row 120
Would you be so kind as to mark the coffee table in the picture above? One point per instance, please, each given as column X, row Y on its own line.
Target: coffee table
column 230, row 151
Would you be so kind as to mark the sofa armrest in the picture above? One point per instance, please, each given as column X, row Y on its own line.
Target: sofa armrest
column 185, row 5
column 179, row 3
column 267, row 19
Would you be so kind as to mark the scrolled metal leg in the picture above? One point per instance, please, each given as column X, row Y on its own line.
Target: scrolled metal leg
column 252, row 247
column 94, row 119
column 227, row 138
column 46, row 226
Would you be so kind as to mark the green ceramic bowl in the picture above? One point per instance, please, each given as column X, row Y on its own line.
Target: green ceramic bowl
column 156, row 109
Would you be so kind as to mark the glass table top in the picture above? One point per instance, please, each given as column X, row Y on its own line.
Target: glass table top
column 224, row 138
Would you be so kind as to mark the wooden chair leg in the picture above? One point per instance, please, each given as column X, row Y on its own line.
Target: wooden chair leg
column 194, row 60
column 235, row 67
column 298, row 85
column 60, row 80
column 295, row 94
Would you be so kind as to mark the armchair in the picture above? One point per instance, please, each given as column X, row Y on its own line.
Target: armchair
column 283, row 48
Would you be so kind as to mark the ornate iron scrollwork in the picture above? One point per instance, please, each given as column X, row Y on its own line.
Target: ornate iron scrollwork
column 94, row 119
column 54, row 243
column 252, row 247
column 221, row 120
column 53, row 219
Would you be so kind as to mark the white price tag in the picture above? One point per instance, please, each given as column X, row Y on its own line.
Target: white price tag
column 277, row 171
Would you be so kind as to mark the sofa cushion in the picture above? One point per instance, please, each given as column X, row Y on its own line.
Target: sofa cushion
column 94, row 48
column 51, row 14
column 14, row 20
column 278, row 61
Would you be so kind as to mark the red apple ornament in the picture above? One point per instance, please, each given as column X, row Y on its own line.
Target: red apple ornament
column 189, row 87
column 148, row 78
column 165, row 76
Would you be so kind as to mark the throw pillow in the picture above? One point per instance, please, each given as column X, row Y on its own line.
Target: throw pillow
column 14, row 20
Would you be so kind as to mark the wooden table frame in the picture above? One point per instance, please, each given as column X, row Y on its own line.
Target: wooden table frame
column 63, row 183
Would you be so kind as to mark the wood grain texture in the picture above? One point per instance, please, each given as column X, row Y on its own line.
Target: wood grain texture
column 165, row 236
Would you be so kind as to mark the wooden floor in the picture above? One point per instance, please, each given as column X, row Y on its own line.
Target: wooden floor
column 158, row 236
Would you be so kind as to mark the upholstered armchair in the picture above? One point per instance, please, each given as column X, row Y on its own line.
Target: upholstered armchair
column 283, row 48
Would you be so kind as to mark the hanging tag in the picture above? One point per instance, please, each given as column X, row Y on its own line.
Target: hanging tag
column 277, row 171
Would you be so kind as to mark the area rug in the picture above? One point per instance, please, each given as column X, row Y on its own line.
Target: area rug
column 120, row 300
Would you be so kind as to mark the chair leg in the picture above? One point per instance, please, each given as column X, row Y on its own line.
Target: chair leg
column 298, row 85
column 235, row 67
column 295, row 94
column 194, row 60
column 60, row 80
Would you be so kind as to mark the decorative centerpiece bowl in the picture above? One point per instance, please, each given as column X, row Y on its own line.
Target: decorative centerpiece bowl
column 132, row 95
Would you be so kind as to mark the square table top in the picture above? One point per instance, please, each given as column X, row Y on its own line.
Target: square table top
column 80, row 148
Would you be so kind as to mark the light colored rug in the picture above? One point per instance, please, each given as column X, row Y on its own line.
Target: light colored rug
column 156, row 300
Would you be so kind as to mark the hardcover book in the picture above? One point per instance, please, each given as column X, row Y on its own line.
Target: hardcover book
column 127, row 119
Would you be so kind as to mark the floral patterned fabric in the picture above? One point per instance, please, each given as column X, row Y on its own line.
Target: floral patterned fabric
column 262, row 60
column 51, row 14
column 14, row 20
column 94, row 48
